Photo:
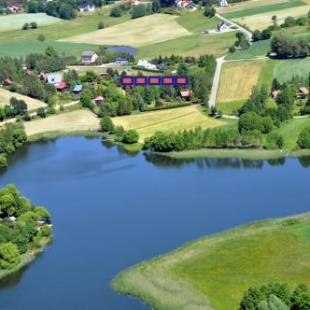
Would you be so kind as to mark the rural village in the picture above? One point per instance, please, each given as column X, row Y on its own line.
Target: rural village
column 247, row 98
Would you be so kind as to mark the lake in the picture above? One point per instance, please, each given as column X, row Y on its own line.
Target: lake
column 112, row 210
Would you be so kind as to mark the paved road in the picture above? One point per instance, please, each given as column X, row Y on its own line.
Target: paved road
column 216, row 81
column 240, row 28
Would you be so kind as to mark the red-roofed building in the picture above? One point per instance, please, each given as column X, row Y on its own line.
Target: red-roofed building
column 7, row 82
column 61, row 86
column 99, row 100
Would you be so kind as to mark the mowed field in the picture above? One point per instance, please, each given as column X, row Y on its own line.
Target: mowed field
column 257, row 14
column 166, row 120
column 16, row 21
column 33, row 104
column 138, row 32
column 79, row 120
column 238, row 79
column 214, row 272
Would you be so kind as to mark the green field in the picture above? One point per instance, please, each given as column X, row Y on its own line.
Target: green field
column 24, row 48
column 194, row 45
column 16, row 21
column 284, row 70
column 257, row 49
column 198, row 275
column 230, row 107
column 264, row 9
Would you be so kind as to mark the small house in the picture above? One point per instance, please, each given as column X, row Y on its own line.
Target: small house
column 52, row 78
column 275, row 94
column 89, row 57
column 12, row 218
column 98, row 100
column 303, row 92
column 186, row 94
column 7, row 82
column 133, row 2
column 223, row 3
column 121, row 61
column 13, row 7
column 60, row 86
column 77, row 88
column 87, row 7
column 222, row 27
column 144, row 64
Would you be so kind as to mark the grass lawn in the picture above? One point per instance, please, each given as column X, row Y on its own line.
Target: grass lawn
column 230, row 107
column 33, row 104
column 291, row 130
column 166, row 120
column 285, row 70
column 198, row 275
column 238, row 79
column 82, row 24
column 193, row 45
column 16, row 21
column 257, row 49
column 264, row 9
column 137, row 32
column 196, row 22
column 79, row 120
column 24, row 48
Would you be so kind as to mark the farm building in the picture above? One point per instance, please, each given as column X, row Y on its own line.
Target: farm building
column 275, row 94
column 98, row 100
column 89, row 57
column 186, row 4
column 121, row 61
column 52, row 78
column 222, row 27
column 303, row 92
column 223, row 3
column 133, row 2
column 60, row 86
column 77, row 88
column 86, row 7
column 144, row 64
column 13, row 7
column 185, row 94
column 7, row 82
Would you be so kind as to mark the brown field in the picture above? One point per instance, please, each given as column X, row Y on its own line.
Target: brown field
column 238, row 79
column 138, row 32
column 166, row 120
column 33, row 104
column 80, row 120
column 261, row 21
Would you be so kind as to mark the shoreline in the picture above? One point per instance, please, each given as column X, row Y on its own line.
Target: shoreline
column 26, row 259
column 153, row 283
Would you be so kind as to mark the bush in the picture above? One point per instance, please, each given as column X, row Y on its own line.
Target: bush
column 138, row 11
column 100, row 25
column 116, row 12
column 9, row 255
column 41, row 113
column 130, row 137
column 33, row 25
column 25, row 26
column 209, row 11
column 274, row 141
column 304, row 139
column 3, row 161
column 41, row 38
column 106, row 124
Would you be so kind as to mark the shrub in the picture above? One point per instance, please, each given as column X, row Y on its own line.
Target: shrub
column 209, row 11
column 274, row 141
column 3, row 161
column 41, row 38
column 106, row 124
column 9, row 255
column 116, row 12
column 130, row 137
column 304, row 139
column 100, row 25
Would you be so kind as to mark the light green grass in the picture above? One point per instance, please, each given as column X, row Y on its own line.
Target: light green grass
column 196, row 22
column 291, row 130
column 16, row 21
column 264, row 9
column 198, row 275
column 24, row 48
column 257, row 49
column 267, row 74
column 194, row 45
column 285, row 70
column 230, row 107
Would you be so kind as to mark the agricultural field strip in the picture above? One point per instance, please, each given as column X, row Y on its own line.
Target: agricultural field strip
column 264, row 9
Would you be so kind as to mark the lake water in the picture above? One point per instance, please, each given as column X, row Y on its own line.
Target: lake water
column 123, row 49
column 112, row 210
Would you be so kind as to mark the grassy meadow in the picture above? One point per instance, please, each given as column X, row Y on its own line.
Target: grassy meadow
column 16, row 21
column 166, row 120
column 198, row 275
column 137, row 32
column 33, row 104
column 238, row 79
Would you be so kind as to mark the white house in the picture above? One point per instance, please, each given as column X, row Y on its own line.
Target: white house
column 222, row 27
column 53, row 78
column 87, row 7
column 144, row 64
column 89, row 57
column 223, row 2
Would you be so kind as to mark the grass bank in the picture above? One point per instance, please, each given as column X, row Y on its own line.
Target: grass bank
column 201, row 273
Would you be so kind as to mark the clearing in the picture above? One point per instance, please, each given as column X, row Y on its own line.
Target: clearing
column 33, row 104
column 238, row 79
column 166, row 120
column 137, row 32
column 198, row 275
column 16, row 21
column 75, row 121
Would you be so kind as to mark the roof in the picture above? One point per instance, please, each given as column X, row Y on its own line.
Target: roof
column 99, row 98
column 77, row 87
column 304, row 90
column 186, row 93
column 276, row 93
column 53, row 78
column 88, row 53
column 61, row 85
column 86, row 5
